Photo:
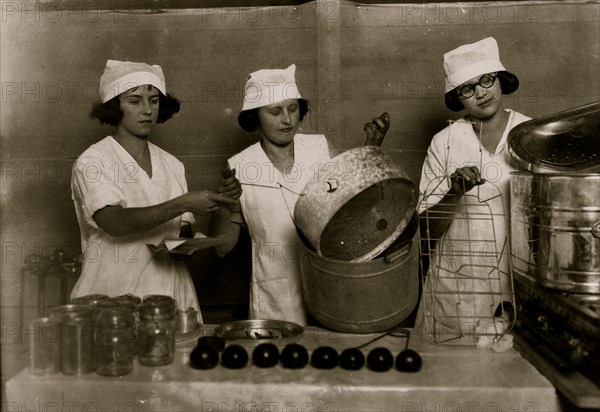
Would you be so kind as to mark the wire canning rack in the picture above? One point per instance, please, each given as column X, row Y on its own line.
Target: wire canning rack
column 468, row 292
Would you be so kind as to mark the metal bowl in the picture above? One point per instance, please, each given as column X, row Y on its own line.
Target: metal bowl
column 255, row 331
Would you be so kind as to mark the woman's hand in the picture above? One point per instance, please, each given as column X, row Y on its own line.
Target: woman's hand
column 377, row 129
column 204, row 202
column 120, row 221
column 464, row 179
column 230, row 186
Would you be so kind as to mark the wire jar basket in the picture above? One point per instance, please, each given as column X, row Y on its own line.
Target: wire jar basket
column 467, row 290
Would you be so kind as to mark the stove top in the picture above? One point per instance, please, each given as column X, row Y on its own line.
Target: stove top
column 559, row 333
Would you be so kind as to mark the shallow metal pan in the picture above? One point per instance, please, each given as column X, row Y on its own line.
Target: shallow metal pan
column 255, row 331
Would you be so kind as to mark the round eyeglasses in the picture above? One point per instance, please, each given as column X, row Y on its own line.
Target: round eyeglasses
column 486, row 81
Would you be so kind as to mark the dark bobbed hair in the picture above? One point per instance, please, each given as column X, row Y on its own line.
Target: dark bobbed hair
column 248, row 119
column 110, row 112
column 508, row 84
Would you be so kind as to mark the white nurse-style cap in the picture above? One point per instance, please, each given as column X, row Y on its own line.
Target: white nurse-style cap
column 268, row 86
column 471, row 60
column 118, row 77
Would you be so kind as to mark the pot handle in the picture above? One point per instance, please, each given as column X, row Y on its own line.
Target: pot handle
column 332, row 185
column 596, row 230
column 397, row 254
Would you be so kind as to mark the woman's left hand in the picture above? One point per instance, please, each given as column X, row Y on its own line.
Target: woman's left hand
column 377, row 129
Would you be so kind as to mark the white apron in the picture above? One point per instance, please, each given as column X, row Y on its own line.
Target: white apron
column 106, row 175
column 469, row 272
column 268, row 200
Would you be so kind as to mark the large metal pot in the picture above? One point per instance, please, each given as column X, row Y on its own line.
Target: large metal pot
column 363, row 297
column 555, row 229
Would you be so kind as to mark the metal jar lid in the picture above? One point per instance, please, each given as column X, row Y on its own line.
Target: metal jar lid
column 568, row 141
column 113, row 303
column 135, row 302
column 159, row 298
column 93, row 299
column 129, row 298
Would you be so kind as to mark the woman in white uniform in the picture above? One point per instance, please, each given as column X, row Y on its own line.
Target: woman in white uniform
column 273, row 173
column 464, row 194
column 129, row 193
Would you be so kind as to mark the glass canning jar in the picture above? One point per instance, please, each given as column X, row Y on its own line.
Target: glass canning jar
column 156, row 334
column 114, row 337
column 135, row 302
column 77, row 338
column 44, row 346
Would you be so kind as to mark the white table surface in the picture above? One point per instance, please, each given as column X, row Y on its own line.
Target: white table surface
column 451, row 379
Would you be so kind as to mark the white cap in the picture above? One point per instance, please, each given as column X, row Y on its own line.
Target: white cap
column 118, row 77
column 471, row 60
column 268, row 86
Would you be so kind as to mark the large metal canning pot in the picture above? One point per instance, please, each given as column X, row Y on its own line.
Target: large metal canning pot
column 363, row 297
column 555, row 229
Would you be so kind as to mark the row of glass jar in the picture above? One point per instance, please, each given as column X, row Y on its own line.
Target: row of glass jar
column 102, row 334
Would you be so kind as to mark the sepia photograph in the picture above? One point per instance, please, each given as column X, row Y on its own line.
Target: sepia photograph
column 300, row 206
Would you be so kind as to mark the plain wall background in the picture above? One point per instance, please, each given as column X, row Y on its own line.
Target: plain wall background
column 353, row 61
